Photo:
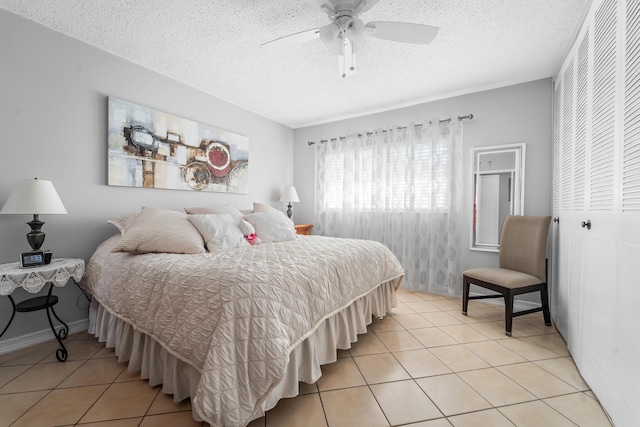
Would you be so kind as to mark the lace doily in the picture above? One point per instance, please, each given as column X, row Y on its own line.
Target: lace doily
column 33, row 279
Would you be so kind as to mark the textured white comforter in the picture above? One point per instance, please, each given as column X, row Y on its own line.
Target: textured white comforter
column 235, row 315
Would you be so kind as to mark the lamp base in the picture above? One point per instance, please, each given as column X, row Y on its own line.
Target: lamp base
column 36, row 236
column 289, row 211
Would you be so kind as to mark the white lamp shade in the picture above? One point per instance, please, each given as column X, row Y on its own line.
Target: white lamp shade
column 289, row 195
column 35, row 197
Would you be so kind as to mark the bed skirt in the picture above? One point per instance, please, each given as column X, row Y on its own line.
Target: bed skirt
column 180, row 378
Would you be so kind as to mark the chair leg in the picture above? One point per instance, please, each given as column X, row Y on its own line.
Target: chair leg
column 544, row 298
column 508, row 312
column 465, row 294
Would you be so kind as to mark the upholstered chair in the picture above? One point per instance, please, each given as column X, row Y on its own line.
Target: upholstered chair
column 523, row 267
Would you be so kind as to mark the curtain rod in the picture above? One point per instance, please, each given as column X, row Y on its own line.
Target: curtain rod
column 460, row 118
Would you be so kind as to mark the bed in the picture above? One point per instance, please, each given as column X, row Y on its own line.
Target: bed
column 237, row 329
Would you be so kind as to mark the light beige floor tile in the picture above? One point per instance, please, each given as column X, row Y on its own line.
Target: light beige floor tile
column 535, row 414
column 352, row 407
column 458, row 358
column 60, row 407
column 580, row 409
column 432, row 337
column 300, row 411
column 8, row 373
column 447, row 304
column 421, row 363
column 126, row 375
column 494, row 330
column 78, row 350
column 469, row 318
column 412, row 321
column 526, row 328
column 341, row 374
column 29, row 355
column 402, row 309
column 125, row 422
column 489, row 417
column 14, row 405
column 404, row 402
column 527, row 349
column 566, row 370
column 105, row 352
column 441, row 318
column 84, row 335
column 182, row 419
column 488, row 311
column 95, row 371
column 43, row 376
column 305, row 388
column 163, row 404
column 494, row 353
column 379, row 368
column 553, row 342
column 535, row 379
column 387, row 323
column 367, row 344
column 464, row 333
column 440, row 422
column 496, row 387
column 430, row 296
column 452, row 395
column 342, row 354
column 399, row 340
column 422, row 307
column 122, row 400
column 406, row 297
column 590, row 394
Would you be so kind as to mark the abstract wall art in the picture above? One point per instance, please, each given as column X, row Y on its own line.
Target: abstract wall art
column 151, row 149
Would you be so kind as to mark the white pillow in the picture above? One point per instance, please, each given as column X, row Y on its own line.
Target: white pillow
column 161, row 231
column 218, row 230
column 217, row 209
column 272, row 227
column 261, row 207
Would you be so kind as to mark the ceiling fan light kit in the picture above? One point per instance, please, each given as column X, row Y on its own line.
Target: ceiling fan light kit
column 346, row 33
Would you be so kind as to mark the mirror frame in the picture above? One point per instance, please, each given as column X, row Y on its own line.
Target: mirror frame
column 517, row 187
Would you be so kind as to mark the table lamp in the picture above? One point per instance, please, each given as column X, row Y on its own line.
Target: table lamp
column 34, row 197
column 289, row 195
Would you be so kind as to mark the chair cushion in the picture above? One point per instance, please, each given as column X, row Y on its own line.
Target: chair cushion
column 502, row 277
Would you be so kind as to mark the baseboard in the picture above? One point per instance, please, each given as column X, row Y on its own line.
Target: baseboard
column 518, row 305
column 28, row 340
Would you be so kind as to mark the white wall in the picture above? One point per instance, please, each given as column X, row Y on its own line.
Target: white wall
column 519, row 113
column 53, row 125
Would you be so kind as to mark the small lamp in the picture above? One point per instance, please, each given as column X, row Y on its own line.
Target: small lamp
column 289, row 195
column 34, row 197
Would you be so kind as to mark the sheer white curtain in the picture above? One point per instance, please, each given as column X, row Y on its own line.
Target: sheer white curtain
column 401, row 187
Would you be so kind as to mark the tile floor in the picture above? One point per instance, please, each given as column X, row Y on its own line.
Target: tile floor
column 425, row 365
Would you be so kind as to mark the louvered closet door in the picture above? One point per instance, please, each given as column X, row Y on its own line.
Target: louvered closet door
column 628, row 366
column 597, row 177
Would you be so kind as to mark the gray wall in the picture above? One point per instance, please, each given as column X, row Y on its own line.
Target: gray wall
column 53, row 125
column 519, row 113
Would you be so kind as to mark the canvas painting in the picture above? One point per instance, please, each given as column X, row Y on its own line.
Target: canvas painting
column 152, row 149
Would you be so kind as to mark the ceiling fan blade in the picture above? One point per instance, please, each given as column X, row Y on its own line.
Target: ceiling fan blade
column 292, row 39
column 402, row 32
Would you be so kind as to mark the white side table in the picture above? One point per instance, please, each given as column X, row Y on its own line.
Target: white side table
column 33, row 279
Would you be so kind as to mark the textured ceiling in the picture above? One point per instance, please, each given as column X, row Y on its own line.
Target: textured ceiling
column 214, row 45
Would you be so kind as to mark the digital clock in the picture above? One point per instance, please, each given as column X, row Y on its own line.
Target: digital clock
column 32, row 259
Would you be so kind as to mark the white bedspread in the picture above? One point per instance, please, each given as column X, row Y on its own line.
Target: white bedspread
column 235, row 315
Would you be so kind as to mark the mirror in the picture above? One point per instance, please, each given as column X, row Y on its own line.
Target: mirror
column 498, row 182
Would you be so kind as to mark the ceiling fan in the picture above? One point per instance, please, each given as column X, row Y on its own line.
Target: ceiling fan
column 346, row 33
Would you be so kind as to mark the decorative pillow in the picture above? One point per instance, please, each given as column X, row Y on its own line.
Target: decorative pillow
column 160, row 230
column 219, row 231
column 272, row 227
column 261, row 207
column 121, row 223
column 217, row 209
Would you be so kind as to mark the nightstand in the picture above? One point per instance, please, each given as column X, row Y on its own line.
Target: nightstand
column 303, row 229
column 32, row 280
